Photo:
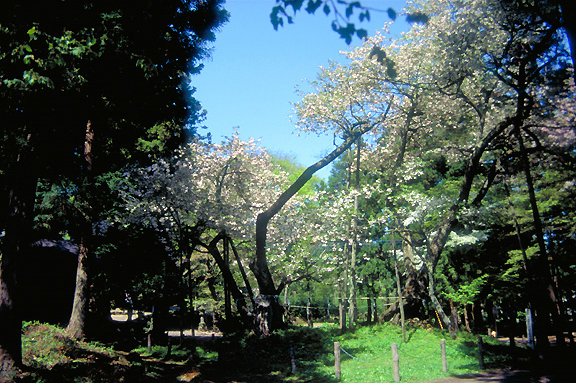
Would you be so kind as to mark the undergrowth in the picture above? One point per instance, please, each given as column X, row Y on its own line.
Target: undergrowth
column 297, row 354
column 50, row 355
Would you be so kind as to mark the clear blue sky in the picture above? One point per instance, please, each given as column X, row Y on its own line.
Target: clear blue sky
column 250, row 80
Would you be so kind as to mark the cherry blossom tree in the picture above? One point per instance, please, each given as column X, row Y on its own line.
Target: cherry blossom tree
column 208, row 195
column 457, row 97
column 340, row 107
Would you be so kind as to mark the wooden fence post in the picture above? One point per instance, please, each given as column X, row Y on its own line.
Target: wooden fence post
column 337, row 370
column 395, row 362
column 443, row 351
column 169, row 348
column 292, row 360
column 480, row 353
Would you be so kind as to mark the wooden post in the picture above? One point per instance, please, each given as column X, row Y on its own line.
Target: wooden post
column 443, row 351
column 337, row 369
column 292, row 360
column 480, row 353
column 395, row 362
column 169, row 350
column 149, row 343
column 530, row 329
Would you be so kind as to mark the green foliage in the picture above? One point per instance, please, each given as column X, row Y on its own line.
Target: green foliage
column 342, row 12
column 56, row 357
column 294, row 170
column 65, row 63
column 468, row 293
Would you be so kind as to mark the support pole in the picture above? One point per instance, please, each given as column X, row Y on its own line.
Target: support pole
column 337, row 369
column 292, row 359
column 530, row 328
column 480, row 353
column 443, row 351
column 395, row 362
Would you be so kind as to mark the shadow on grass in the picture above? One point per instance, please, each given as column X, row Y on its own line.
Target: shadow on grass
column 234, row 358
column 503, row 363
column 246, row 358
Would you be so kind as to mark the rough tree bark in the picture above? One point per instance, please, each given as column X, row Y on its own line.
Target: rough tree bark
column 77, row 323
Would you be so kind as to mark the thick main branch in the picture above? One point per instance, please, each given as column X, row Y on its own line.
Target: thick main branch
column 260, row 265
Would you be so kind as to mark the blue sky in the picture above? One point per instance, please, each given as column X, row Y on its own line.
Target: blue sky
column 250, row 80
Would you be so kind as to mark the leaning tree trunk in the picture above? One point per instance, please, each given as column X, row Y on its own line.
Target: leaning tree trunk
column 268, row 308
column 233, row 288
column 444, row 319
column 77, row 323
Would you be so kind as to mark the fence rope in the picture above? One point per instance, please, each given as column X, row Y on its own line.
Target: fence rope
column 408, row 357
column 353, row 357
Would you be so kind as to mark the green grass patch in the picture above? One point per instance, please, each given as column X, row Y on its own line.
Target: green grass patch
column 370, row 350
column 51, row 356
column 420, row 357
column 177, row 352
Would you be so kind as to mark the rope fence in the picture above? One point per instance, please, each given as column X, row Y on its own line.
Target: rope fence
column 338, row 350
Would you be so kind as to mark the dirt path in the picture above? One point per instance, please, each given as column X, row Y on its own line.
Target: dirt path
column 513, row 376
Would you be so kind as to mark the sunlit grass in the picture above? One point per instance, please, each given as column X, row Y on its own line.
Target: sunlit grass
column 420, row 356
column 244, row 356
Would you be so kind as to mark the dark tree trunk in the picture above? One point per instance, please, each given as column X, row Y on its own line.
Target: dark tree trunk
column 444, row 319
column 233, row 288
column 22, row 182
column 227, row 300
column 547, row 302
column 341, row 307
column 368, row 309
column 467, row 318
column 243, row 273
column 453, row 329
column 160, row 316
